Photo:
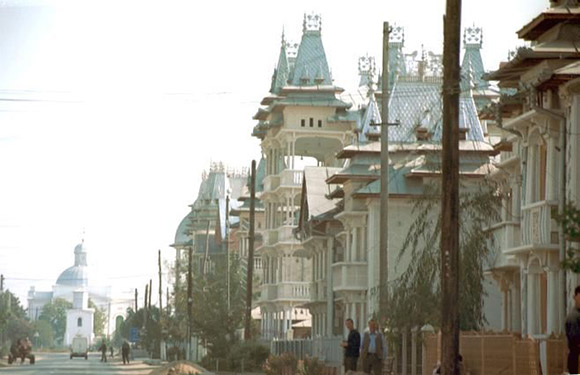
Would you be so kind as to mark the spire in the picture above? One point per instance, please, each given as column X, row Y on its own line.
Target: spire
column 311, row 65
column 472, row 62
column 367, row 69
column 397, row 65
column 280, row 76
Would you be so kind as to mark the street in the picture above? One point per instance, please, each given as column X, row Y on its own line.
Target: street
column 59, row 363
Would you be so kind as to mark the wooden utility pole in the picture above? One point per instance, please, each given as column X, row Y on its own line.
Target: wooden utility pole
column 146, row 295
column 160, row 286
column 450, row 191
column 150, row 292
column 384, row 208
column 136, row 295
column 189, row 300
column 227, row 245
column 250, row 274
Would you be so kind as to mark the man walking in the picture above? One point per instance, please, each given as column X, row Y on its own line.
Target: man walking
column 373, row 350
column 125, row 352
column 103, row 349
column 573, row 333
column 351, row 347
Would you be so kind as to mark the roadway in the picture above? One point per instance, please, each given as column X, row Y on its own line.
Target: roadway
column 61, row 364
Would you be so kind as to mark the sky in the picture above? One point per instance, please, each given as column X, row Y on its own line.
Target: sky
column 111, row 110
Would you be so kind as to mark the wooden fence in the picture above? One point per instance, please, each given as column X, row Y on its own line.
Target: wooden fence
column 500, row 353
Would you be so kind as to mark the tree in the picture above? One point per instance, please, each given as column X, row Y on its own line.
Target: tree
column 99, row 319
column 54, row 313
column 212, row 320
column 416, row 294
column 13, row 321
column 45, row 333
column 571, row 221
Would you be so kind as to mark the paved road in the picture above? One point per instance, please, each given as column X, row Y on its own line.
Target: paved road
column 60, row 364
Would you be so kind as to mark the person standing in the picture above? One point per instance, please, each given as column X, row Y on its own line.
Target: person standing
column 125, row 348
column 373, row 350
column 573, row 333
column 351, row 346
column 103, row 349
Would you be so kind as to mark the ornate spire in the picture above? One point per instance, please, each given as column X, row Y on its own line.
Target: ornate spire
column 367, row 70
column 312, row 22
column 473, row 37
column 397, row 36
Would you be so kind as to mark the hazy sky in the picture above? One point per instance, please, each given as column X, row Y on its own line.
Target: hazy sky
column 128, row 101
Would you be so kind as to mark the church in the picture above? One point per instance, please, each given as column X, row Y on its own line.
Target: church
column 73, row 286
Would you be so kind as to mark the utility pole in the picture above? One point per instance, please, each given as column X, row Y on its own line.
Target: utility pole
column 2, row 283
column 189, row 299
column 450, row 191
column 150, row 292
column 250, row 275
column 227, row 245
column 160, row 286
column 146, row 294
column 136, row 295
column 561, row 233
column 384, row 208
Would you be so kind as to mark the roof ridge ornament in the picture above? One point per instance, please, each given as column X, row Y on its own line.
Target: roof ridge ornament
column 312, row 22
column 473, row 36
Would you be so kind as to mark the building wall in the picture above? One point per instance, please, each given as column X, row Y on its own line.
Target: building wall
column 73, row 318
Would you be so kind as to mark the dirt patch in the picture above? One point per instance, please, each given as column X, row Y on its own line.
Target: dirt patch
column 180, row 368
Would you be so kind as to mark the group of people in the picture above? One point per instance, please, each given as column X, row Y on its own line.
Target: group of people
column 125, row 350
column 372, row 349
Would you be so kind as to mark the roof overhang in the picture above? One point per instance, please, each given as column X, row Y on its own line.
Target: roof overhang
column 546, row 20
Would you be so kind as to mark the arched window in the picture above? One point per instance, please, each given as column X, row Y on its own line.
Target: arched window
column 79, row 322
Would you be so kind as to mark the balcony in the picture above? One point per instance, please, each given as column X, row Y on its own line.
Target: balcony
column 271, row 182
column 291, row 178
column 318, row 291
column 539, row 229
column 285, row 233
column 285, row 291
column 271, row 236
column 349, row 276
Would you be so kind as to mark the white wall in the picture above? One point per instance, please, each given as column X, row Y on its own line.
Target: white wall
column 72, row 328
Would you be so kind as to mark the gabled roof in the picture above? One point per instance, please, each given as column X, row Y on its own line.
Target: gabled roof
column 472, row 69
column 311, row 65
column 371, row 116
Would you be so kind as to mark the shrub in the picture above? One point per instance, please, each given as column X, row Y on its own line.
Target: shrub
column 311, row 366
column 285, row 364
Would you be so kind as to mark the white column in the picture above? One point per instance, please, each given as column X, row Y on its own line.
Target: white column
column 348, row 246
column 552, row 169
column 404, row 356
column 524, row 299
column 414, row 351
column 532, row 304
column 355, row 244
column 516, row 323
column 553, row 321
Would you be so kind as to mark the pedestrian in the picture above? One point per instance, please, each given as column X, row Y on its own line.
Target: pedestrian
column 573, row 333
column 351, row 347
column 112, row 350
column 373, row 349
column 103, row 349
column 125, row 349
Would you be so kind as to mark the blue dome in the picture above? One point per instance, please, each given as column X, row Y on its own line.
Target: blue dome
column 74, row 276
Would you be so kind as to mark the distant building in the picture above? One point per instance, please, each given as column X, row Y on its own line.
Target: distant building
column 74, row 282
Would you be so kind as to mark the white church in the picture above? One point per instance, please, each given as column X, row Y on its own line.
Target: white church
column 73, row 285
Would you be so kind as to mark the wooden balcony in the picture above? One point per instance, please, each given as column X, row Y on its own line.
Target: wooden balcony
column 285, row 291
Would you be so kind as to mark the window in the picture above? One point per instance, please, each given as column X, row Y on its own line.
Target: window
column 311, row 122
column 319, row 123
column 303, row 122
column 79, row 322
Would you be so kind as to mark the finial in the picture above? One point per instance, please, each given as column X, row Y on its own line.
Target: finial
column 312, row 22
column 283, row 37
column 397, row 35
column 473, row 36
column 83, row 238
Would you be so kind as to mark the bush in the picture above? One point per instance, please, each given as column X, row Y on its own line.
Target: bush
column 311, row 366
column 252, row 354
column 285, row 364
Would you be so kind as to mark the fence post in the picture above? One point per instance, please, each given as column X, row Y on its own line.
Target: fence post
column 414, row 350
column 425, row 331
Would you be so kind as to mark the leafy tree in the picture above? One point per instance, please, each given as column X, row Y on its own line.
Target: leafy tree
column 213, row 321
column 149, row 328
column 98, row 319
column 571, row 221
column 416, row 295
column 54, row 313
column 45, row 333
column 13, row 321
